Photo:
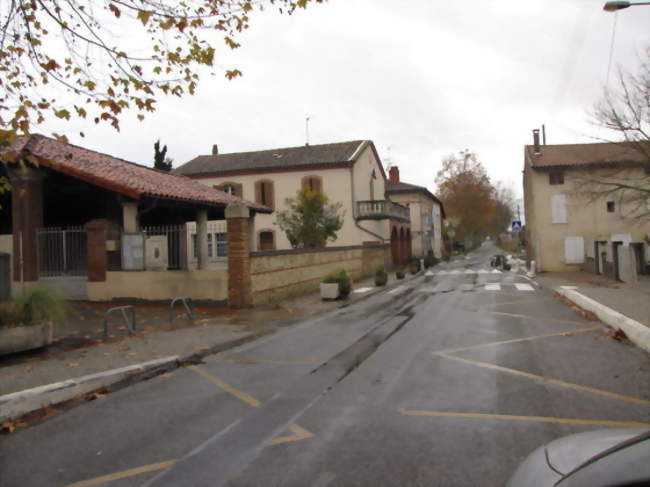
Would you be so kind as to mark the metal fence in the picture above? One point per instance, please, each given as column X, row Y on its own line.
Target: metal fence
column 174, row 246
column 62, row 251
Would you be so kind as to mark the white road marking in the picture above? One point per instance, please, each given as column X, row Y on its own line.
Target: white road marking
column 429, row 274
column 363, row 290
column 496, row 271
column 569, row 287
column 426, row 290
column 456, row 271
column 493, row 287
column 524, row 287
column 397, row 289
column 469, row 271
column 442, row 273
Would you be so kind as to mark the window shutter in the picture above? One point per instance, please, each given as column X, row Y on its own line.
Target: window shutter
column 258, row 192
column 270, row 194
column 558, row 209
column 574, row 250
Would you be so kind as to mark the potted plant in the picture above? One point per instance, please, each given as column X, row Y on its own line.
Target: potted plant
column 430, row 261
column 414, row 265
column 381, row 277
column 335, row 285
column 399, row 272
column 26, row 323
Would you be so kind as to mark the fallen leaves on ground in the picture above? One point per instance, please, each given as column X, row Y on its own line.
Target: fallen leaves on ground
column 94, row 395
column 10, row 426
column 618, row 335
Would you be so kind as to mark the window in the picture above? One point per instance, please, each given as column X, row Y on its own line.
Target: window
column 313, row 183
column 219, row 239
column 266, row 240
column 556, row 177
column 222, row 244
column 558, row 208
column 611, row 206
column 233, row 189
column 574, row 250
column 264, row 193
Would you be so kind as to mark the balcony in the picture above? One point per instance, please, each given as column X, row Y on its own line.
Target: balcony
column 382, row 210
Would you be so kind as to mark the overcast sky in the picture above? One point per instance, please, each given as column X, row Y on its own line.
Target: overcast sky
column 421, row 78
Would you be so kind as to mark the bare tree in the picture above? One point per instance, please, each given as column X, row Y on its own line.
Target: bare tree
column 626, row 112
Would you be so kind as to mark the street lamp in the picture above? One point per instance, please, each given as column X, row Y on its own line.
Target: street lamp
column 614, row 6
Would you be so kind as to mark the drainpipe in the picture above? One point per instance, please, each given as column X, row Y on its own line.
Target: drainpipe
column 354, row 209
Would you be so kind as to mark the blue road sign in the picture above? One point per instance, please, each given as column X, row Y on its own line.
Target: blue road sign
column 516, row 225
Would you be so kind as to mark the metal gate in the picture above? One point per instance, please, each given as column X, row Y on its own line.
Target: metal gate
column 62, row 252
column 62, row 260
column 5, row 276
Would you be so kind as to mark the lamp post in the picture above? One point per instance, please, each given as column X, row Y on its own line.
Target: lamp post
column 620, row 5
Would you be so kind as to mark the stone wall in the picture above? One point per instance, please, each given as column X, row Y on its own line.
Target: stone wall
column 282, row 273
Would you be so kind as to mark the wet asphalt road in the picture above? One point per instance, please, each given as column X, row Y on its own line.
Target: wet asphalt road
column 451, row 379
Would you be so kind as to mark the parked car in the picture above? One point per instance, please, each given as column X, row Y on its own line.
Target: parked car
column 607, row 457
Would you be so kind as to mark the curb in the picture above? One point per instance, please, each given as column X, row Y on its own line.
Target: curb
column 638, row 333
column 19, row 403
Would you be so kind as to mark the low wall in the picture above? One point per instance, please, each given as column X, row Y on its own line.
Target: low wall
column 161, row 285
column 278, row 274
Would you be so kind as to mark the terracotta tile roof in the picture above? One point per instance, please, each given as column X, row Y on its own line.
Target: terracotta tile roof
column 128, row 178
column 585, row 154
column 401, row 187
column 274, row 159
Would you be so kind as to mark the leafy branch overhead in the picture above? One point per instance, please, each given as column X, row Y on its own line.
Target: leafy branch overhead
column 96, row 60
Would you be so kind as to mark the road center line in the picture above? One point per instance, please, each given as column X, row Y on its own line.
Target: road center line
column 516, row 340
column 536, row 419
column 548, row 380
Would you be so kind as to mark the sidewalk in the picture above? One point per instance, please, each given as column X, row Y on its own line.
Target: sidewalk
column 619, row 305
column 80, row 353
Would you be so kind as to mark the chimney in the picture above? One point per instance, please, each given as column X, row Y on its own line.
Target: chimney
column 393, row 174
column 543, row 135
column 215, row 150
column 537, row 148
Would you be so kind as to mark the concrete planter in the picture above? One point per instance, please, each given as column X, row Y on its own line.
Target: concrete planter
column 329, row 290
column 18, row 338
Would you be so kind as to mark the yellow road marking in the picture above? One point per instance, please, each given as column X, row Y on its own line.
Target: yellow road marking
column 271, row 362
column 242, row 396
column 516, row 340
column 548, row 380
column 300, row 433
column 530, row 317
column 536, row 419
column 535, row 300
column 123, row 474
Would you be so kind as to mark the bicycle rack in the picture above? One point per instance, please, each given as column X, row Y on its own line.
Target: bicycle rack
column 189, row 308
column 130, row 323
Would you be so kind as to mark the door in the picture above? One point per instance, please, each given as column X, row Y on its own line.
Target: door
column 5, row 280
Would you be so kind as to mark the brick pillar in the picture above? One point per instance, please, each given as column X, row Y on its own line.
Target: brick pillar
column 96, row 231
column 27, row 217
column 239, row 265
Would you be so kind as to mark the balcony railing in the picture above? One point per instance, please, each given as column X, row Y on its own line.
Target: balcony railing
column 381, row 210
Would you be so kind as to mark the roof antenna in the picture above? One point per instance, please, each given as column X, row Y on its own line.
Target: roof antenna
column 307, row 130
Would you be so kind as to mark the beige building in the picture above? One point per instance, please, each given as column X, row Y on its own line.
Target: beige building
column 349, row 173
column 426, row 211
column 571, row 223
